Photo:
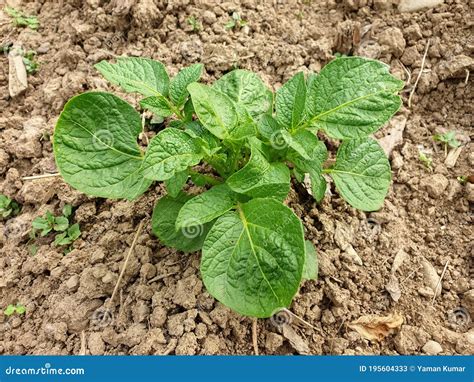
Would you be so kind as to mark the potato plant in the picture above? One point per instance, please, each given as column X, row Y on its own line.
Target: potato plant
column 245, row 142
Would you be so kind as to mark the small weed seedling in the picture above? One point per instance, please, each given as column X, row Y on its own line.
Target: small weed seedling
column 254, row 254
column 66, row 233
column 426, row 160
column 462, row 179
column 196, row 25
column 236, row 22
column 448, row 139
column 19, row 19
column 29, row 59
column 8, row 207
column 12, row 309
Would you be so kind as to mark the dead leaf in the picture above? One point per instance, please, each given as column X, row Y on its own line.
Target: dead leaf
column 295, row 340
column 394, row 137
column 393, row 287
column 400, row 257
column 376, row 328
column 452, row 157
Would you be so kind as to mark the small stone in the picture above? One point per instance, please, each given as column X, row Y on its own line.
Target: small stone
column 413, row 32
column 432, row 348
column 343, row 235
column 187, row 345
column 148, row 271
column 73, row 283
column 209, row 17
column 411, row 56
column 392, row 41
column 158, row 317
column 95, row 344
column 410, row 339
column 435, row 185
column 220, row 315
column 17, row 77
column 109, row 278
column 416, row 5
column 470, row 192
column 426, row 292
column 97, row 256
column 351, row 256
column 455, row 67
column 383, row 5
column 43, row 48
column 273, row 341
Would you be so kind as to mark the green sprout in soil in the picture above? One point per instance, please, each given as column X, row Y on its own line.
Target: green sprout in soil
column 462, row 179
column 426, row 160
column 19, row 19
column 8, row 207
column 448, row 139
column 238, row 140
column 66, row 233
column 29, row 59
column 196, row 25
column 12, row 309
column 236, row 22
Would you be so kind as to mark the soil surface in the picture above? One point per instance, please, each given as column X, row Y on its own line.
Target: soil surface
column 382, row 263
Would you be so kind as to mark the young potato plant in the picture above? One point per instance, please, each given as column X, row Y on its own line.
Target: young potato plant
column 249, row 142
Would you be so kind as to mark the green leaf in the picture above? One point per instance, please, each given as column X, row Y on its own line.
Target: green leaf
column 362, row 173
column 352, row 97
column 290, row 102
column 268, row 127
column 62, row 239
column 74, row 231
column 175, row 184
column 206, row 207
column 20, row 309
column 61, row 223
column 95, row 145
column 67, row 210
column 40, row 223
column 215, row 110
column 133, row 74
column 179, row 84
column 164, row 217
column 308, row 155
column 170, row 151
column 158, row 105
column 252, row 260
column 246, row 89
column 10, row 309
column 259, row 178
column 310, row 269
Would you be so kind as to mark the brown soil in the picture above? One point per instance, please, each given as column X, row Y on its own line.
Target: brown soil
column 162, row 307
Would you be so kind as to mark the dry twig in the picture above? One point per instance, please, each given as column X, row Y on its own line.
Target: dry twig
column 419, row 74
column 254, row 336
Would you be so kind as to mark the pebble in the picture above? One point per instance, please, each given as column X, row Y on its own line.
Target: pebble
column 209, row 17
column 351, row 256
column 435, row 185
column 273, row 341
column 416, row 5
column 393, row 41
column 95, row 344
column 432, row 348
column 17, row 77
column 470, row 192
column 73, row 283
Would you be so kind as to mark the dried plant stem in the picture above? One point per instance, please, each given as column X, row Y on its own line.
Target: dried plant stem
column 254, row 336
column 33, row 177
column 122, row 272
column 439, row 282
column 419, row 74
